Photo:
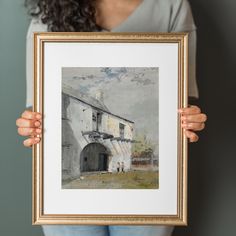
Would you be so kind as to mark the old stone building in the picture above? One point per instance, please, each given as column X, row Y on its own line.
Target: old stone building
column 93, row 138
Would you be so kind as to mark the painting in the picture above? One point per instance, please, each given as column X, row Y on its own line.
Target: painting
column 110, row 127
column 113, row 151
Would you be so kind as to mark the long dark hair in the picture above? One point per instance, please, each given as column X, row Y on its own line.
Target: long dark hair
column 65, row 15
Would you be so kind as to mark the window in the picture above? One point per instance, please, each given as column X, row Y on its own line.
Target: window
column 97, row 120
column 122, row 130
column 94, row 117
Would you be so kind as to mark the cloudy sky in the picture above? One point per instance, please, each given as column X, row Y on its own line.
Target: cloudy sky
column 129, row 92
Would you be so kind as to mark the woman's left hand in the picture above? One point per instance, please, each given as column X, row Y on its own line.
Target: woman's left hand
column 192, row 120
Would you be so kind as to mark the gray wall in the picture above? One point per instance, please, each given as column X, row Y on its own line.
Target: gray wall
column 15, row 161
column 212, row 162
column 212, row 175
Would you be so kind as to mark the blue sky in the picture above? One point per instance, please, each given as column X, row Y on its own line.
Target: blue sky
column 130, row 92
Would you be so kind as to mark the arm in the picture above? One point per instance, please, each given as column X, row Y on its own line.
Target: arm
column 192, row 117
column 29, row 123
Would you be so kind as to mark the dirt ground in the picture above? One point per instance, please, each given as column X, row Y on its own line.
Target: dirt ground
column 137, row 179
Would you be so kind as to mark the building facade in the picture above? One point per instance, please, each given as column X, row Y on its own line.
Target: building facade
column 93, row 138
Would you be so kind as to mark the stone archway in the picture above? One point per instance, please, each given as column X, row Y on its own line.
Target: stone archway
column 94, row 157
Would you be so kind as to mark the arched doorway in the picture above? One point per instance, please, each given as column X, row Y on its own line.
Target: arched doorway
column 94, row 157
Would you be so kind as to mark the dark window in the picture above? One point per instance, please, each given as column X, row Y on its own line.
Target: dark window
column 122, row 130
column 97, row 120
column 94, row 116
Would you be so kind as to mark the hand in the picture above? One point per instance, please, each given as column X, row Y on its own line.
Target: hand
column 29, row 124
column 192, row 120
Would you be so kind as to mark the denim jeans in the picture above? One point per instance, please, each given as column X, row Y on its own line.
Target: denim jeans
column 111, row 230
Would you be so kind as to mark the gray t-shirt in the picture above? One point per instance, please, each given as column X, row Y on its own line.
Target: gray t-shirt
column 149, row 16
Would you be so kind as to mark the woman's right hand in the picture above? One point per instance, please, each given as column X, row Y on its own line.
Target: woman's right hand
column 29, row 124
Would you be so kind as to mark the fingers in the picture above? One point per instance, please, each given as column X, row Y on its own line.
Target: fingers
column 26, row 123
column 31, row 141
column 194, row 118
column 193, row 137
column 30, row 124
column 194, row 126
column 31, row 115
column 29, row 131
column 29, row 119
column 190, row 110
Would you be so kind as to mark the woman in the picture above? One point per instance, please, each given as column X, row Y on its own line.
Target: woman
column 113, row 16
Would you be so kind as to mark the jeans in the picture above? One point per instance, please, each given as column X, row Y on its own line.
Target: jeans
column 111, row 230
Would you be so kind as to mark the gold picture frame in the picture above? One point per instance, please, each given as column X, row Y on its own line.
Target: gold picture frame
column 41, row 41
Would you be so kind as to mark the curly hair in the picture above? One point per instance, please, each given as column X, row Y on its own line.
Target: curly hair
column 65, row 15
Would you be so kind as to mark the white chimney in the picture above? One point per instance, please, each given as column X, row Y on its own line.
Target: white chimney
column 100, row 95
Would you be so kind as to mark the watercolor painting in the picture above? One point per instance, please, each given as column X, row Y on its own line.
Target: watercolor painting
column 110, row 128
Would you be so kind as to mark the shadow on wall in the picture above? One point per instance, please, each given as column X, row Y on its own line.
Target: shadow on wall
column 70, row 146
column 211, row 161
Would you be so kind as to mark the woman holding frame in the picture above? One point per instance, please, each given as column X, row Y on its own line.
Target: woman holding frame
column 111, row 16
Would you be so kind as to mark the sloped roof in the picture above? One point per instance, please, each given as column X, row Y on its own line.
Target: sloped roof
column 88, row 100
column 84, row 97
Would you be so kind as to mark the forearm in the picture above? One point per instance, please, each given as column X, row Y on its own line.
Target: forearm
column 192, row 100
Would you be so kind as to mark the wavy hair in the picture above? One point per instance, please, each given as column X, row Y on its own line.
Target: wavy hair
column 65, row 15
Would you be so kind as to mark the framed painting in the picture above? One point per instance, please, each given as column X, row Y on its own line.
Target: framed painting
column 112, row 150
